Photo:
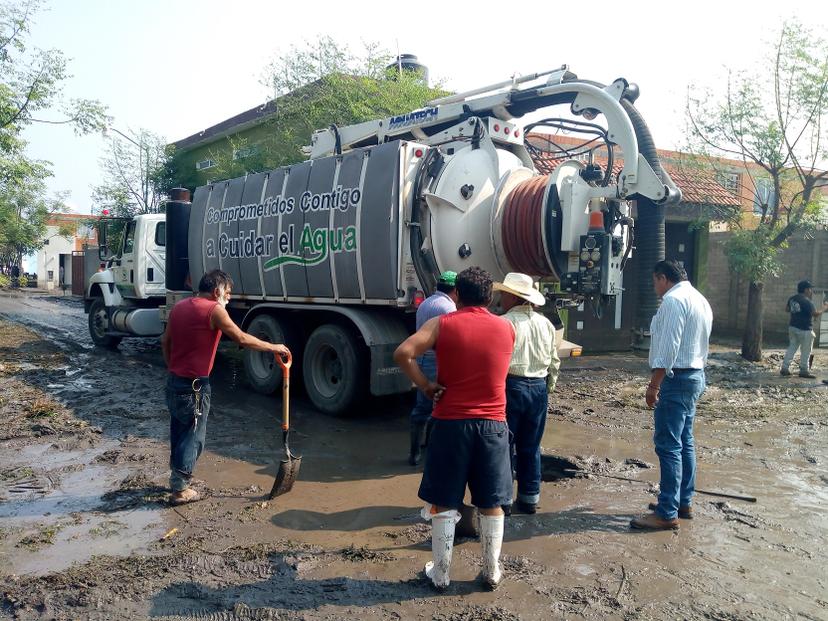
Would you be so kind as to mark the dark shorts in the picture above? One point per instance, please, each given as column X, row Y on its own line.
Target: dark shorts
column 473, row 452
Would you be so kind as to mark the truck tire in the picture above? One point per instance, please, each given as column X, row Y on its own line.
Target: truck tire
column 334, row 369
column 261, row 369
column 99, row 324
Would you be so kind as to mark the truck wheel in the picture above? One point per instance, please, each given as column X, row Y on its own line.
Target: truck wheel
column 99, row 325
column 334, row 369
column 263, row 373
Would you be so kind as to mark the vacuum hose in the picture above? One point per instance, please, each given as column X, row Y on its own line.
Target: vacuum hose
column 522, row 229
column 650, row 227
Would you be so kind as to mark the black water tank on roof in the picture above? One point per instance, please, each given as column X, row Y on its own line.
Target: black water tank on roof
column 177, row 265
column 408, row 62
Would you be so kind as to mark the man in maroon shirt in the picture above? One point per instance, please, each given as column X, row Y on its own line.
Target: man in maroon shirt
column 469, row 442
column 189, row 344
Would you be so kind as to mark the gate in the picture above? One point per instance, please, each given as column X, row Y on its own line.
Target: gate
column 78, row 273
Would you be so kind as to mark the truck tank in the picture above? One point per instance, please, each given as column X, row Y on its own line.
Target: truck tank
column 338, row 229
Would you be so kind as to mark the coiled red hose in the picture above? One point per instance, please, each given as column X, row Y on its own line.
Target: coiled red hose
column 522, row 228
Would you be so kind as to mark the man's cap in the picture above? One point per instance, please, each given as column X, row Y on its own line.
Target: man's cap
column 448, row 278
column 804, row 284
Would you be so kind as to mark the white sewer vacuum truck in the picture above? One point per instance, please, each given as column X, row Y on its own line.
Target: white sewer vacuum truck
column 332, row 255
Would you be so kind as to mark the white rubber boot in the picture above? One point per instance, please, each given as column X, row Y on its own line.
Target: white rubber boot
column 442, row 544
column 491, row 537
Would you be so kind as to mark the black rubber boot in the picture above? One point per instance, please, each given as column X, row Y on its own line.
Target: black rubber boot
column 417, row 434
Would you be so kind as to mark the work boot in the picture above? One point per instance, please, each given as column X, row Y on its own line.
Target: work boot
column 807, row 375
column 416, row 448
column 653, row 521
column 491, row 538
column 442, row 544
column 785, row 373
column 685, row 512
column 527, row 508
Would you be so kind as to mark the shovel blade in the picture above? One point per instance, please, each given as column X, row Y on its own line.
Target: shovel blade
column 286, row 476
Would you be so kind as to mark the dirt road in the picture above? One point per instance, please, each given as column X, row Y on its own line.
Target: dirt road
column 85, row 531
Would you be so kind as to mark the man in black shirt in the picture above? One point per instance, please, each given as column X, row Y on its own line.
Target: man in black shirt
column 801, row 328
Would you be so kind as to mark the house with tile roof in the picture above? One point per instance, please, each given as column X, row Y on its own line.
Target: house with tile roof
column 61, row 259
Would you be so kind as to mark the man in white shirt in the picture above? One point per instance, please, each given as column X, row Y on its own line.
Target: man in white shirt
column 533, row 372
column 680, row 334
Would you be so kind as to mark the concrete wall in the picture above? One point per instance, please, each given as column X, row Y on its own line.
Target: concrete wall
column 803, row 259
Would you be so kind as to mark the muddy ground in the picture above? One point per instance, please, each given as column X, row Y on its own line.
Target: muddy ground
column 85, row 531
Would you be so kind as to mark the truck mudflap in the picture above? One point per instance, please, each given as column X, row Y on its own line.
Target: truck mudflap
column 382, row 332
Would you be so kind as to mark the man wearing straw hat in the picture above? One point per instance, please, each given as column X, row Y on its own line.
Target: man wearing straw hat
column 533, row 373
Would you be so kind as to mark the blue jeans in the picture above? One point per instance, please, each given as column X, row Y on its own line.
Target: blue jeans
column 526, row 403
column 673, row 438
column 421, row 411
column 186, row 435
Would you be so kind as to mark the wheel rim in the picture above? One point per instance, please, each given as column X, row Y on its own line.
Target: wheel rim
column 327, row 371
column 100, row 323
column 261, row 363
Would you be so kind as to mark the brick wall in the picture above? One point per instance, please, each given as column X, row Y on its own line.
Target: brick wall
column 803, row 259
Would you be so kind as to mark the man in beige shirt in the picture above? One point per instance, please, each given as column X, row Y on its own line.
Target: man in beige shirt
column 533, row 373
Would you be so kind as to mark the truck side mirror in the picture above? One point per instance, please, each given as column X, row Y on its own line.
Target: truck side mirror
column 103, row 252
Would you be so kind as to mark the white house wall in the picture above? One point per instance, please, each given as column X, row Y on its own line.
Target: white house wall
column 48, row 258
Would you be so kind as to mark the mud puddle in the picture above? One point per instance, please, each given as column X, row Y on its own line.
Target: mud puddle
column 347, row 541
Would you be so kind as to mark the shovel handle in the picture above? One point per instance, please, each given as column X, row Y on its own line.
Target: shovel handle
column 285, row 361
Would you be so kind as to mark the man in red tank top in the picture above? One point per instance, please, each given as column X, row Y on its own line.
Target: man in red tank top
column 189, row 343
column 469, row 442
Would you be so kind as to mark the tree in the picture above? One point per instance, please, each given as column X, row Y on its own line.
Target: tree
column 315, row 85
column 24, row 212
column 31, row 82
column 31, row 79
column 775, row 122
column 131, row 168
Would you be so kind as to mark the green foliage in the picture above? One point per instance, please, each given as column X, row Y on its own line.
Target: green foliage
column 30, row 79
column 774, row 123
column 317, row 85
column 751, row 254
column 30, row 86
column 24, row 210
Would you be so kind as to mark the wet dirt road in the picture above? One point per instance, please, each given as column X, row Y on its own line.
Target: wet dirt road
column 83, row 516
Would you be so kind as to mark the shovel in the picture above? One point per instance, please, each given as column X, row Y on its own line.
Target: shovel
column 289, row 466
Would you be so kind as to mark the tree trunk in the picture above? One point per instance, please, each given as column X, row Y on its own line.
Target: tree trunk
column 752, row 337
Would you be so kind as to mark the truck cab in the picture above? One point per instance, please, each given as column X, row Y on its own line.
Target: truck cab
column 138, row 267
column 123, row 299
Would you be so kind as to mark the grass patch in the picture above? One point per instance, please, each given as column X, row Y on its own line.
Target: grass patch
column 40, row 539
column 42, row 407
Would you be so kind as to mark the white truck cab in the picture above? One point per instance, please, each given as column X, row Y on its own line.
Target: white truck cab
column 123, row 299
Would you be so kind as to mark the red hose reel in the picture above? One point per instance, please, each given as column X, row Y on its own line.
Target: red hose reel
column 522, row 228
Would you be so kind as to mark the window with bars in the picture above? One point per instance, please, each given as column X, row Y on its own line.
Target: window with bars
column 763, row 195
column 730, row 181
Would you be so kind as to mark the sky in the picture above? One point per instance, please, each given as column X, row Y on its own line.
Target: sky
column 176, row 67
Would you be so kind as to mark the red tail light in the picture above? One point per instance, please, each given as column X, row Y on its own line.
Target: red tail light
column 419, row 298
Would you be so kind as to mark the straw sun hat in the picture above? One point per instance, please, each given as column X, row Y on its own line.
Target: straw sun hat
column 522, row 286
